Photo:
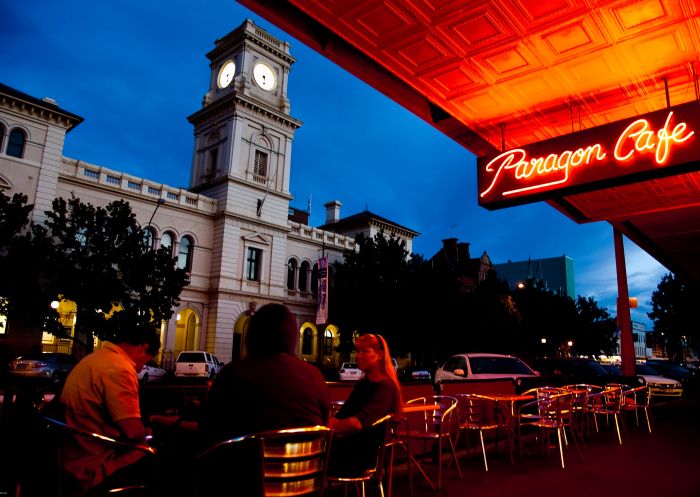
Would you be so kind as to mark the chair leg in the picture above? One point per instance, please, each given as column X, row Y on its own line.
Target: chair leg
column 483, row 449
column 439, row 463
column 454, row 455
column 561, row 448
column 646, row 413
column 617, row 426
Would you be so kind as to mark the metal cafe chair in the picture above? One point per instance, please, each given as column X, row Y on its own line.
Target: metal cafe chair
column 555, row 413
column 607, row 403
column 436, row 425
column 483, row 414
column 638, row 399
column 62, row 435
column 366, row 449
column 279, row 463
column 581, row 415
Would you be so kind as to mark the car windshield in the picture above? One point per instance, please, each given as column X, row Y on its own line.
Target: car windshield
column 646, row 369
column 588, row 367
column 498, row 365
column 612, row 369
column 191, row 357
column 350, row 365
column 35, row 357
column 670, row 368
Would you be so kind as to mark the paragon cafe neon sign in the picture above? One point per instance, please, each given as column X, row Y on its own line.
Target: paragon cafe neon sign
column 649, row 143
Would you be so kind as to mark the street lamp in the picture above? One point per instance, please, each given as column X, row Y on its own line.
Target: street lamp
column 54, row 304
column 570, row 343
column 543, row 340
column 160, row 202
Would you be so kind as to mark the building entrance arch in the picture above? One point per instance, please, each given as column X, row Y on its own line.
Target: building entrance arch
column 240, row 329
column 187, row 331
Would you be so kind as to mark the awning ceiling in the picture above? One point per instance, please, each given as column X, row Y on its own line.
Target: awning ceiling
column 496, row 73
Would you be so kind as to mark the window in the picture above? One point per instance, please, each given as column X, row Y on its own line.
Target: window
column 327, row 342
column 2, row 135
column 307, row 342
column 253, row 261
column 148, row 238
column 260, row 166
column 291, row 272
column 184, row 256
column 314, row 279
column 211, row 163
column 166, row 240
column 15, row 146
column 304, row 277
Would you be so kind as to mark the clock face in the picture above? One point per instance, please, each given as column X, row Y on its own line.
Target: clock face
column 226, row 73
column 264, row 76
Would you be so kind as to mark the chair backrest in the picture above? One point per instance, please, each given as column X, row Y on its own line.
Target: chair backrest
column 359, row 454
column 279, row 463
column 478, row 410
column 639, row 396
column 613, row 397
column 557, row 408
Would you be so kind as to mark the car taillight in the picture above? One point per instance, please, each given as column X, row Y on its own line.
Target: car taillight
column 206, row 368
column 38, row 365
column 342, row 370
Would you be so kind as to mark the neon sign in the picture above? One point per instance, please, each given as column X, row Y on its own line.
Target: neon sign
column 613, row 154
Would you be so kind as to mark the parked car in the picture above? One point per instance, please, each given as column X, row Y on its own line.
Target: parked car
column 195, row 364
column 659, row 386
column 575, row 370
column 416, row 373
column 349, row 372
column 483, row 366
column 672, row 370
column 151, row 372
column 53, row 366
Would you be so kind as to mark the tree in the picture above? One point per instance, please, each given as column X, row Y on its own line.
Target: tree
column 96, row 257
column 373, row 291
column 596, row 330
column 674, row 304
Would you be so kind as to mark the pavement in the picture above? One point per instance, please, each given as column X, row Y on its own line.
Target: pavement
column 663, row 463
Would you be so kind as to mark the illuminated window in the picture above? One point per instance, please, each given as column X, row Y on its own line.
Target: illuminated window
column 15, row 146
column 253, row 261
column 260, row 165
column 291, row 273
column 327, row 342
column 307, row 342
column 3, row 324
column 184, row 256
column 304, row 277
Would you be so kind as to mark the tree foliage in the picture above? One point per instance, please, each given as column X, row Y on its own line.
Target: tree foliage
column 96, row 257
column 674, row 315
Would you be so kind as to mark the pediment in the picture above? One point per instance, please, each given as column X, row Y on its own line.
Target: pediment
column 258, row 238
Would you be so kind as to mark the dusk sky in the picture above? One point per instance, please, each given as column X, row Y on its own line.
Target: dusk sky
column 134, row 70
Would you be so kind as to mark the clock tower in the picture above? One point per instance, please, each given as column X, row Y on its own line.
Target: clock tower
column 243, row 132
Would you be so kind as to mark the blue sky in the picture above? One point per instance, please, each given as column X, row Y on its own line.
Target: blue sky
column 136, row 69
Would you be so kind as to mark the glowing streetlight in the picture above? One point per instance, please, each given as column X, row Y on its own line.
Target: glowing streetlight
column 543, row 340
column 570, row 343
column 54, row 304
column 521, row 285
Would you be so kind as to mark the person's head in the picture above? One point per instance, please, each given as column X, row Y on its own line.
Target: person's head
column 374, row 358
column 271, row 330
column 141, row 343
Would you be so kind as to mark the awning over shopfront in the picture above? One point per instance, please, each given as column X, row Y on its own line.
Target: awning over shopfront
column 502, row 74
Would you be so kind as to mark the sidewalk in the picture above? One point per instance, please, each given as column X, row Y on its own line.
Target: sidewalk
column 663, row 463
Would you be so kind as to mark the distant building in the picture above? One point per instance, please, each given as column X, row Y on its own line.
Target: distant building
column 454, row 257
column 557, row 273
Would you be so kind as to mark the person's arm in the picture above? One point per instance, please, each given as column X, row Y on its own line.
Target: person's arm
column 133, row 430
column 345, row 426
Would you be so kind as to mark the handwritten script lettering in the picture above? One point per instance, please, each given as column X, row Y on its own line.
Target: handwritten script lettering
column 533, row 173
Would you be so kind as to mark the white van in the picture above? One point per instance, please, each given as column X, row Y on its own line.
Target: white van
column 482, row 367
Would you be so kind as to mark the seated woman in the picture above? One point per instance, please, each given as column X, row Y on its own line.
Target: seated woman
column 372, row 398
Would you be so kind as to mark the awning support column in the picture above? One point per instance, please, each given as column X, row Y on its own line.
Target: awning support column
column 624, row 322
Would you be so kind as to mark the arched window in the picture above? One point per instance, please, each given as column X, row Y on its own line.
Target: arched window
column 166, row 240
column 148, row 238
column 2, row 135
column 304, row 277
column 314, row 279
column 291, row 273
column 328, row 342
column 15, row 146
column 184, row 256
column 307, row 342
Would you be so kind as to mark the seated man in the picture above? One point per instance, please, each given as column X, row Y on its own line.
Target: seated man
column 101, row 395
column 270, row 389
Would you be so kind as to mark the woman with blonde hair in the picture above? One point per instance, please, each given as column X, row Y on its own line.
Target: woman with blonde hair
column 375, row 395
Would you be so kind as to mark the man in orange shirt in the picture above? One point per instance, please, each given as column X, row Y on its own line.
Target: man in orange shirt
column 101, row 395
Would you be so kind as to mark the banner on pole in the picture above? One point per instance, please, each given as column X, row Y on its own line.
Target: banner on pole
column 322, row 307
